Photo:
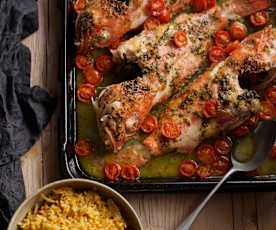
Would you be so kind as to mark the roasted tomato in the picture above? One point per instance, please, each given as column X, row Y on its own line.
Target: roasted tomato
column 79, row 5
column 221, row 165
column 112, row 171
column 92, row 76
column 232, row 46
column 82, row 62
column 85, row 92
column 83, row 148
column 156, row 7
column 253, row 120
column 199, row 6
column 205, row 154
column 237, row 31
column 259, row 18
column 133, row 122
column 268, row 111
column 216, row 54
column 210, row 109
column 204, row 171
column 151, row 23
column 180, row 39
column 222, row 38
column 149, row 124
column 240, row 131
column 187, row 168
column 273, row 151
column 116, row 44
column 130, row 172
column 252, row 173
column 211, row 3
column 170, row 130
column 223, row 146
column 104, row 63
column 164, row 16
column 270, row 95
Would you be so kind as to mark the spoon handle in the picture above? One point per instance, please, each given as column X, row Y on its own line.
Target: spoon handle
column 186, row 224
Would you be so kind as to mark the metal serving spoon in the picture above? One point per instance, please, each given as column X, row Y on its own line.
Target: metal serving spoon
column 265, row 132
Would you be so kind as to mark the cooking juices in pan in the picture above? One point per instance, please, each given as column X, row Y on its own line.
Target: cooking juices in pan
column 209, row 159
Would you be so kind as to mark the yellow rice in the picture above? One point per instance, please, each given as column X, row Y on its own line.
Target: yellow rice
column 65, row 209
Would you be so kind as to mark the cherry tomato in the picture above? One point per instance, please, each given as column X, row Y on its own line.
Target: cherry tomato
column 149, row 124
column 187, row 168
column 222, row 38
column 104, row 63
column 133, row 122
column 253, row 120
column 232, row 46
column 130, row 172
column 199, row 6
column 116, row 44
column 180, row 39
column 273, row 151
column 170, row 130
column 221, row 165
column 156, row 7
column 237, row 31
column 82, row 62
column 164, row 16
column 151, row 23
column 85, row 92
column 216, row 54
column 83, row 148
column 252, row 173
column 205, row 154
column 92, row 76
column 270, row 95
column 210, row 109
column 240, row 131
column 112, row 171
column 204, row 171
column 79, row 5
column 268, row 110
column 223, row 145
column 211, row 3
column 259, row 18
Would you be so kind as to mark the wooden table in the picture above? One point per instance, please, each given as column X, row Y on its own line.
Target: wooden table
column 158, row 211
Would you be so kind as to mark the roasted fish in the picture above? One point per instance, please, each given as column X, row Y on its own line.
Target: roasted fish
column 121, row 108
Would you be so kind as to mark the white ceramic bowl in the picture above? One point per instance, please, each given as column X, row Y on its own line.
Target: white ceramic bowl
column 127, row 211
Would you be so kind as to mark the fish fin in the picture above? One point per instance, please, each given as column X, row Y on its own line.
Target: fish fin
column 247, row 7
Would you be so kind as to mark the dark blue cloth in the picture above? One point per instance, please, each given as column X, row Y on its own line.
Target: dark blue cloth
column 24, row 111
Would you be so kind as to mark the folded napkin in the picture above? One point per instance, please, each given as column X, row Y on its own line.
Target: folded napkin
column 24, row 111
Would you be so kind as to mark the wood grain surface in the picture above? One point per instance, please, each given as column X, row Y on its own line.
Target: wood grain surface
column 158, row 211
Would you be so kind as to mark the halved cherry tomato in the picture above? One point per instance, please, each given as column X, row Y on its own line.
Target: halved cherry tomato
column 232, row 46
column 270, row 95
column 259, row 18
column 85, row 92
column 221, row 165
column 216, row 54
column 204, row 171
column 199, row 6
column 252, row 173
column 133, row 122
column 223, row 145
column 156, row 7
column 240, row 131
column 180, row 39
column 92, row 76
column 151, row 23
column 79, row 5
column 82, row 62
column 149, row 124
column 116, row 44
column 237, row 31
column 273, row 151
column 211, row 3
column 164, row 16
column 187, row 168
column 210, row 109
column 222, row 38
column 112, row 171
column 253, row 120
column 170, row 130
column 205, row 154
column 104, row 63
column 130, row 172
column 268, row 111
column 83, row 148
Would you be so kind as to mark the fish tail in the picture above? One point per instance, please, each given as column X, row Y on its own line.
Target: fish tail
column 247, row 7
